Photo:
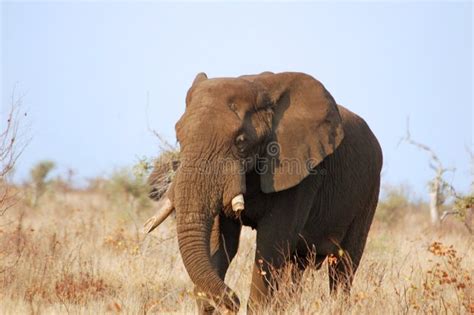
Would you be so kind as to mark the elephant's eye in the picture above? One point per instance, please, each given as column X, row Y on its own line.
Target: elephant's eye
column 241, row 143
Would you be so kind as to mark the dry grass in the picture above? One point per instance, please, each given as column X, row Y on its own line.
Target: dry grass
column 82, row 253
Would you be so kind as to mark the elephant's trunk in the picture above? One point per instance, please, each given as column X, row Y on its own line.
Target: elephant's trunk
column 194, row 224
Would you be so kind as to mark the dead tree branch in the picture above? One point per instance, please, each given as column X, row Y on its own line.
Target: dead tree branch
column 12, row 145
column 440, row 189
column 438, row 186
column 164, row 145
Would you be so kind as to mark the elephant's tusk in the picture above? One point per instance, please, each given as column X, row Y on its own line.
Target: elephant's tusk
column 238, row 203
column 164, row 210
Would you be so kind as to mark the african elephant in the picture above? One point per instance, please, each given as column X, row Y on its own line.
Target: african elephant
column 274, row 152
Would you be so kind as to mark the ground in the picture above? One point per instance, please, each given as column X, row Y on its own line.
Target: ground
column 82, row 252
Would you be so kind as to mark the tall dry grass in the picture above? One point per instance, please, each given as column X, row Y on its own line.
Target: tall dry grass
column 83, row 253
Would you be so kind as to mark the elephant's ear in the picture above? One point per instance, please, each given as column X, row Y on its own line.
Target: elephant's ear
column 306, row 128
column 201, row 76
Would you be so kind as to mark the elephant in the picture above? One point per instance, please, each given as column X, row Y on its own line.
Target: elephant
column 272, row 151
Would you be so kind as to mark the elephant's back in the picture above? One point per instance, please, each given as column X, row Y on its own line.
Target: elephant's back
column 359, row 141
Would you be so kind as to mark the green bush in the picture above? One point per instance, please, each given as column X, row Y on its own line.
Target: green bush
column 394, row 204
column 128, row 186
column 38, row 179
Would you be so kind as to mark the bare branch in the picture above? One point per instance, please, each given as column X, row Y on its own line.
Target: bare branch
column 467, row 218
column 439, row 188
column 164, row 145
column 448, row 213
column 12, row 145
column 432, row 154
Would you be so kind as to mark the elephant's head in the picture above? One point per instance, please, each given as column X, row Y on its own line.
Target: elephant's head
column 283, row 123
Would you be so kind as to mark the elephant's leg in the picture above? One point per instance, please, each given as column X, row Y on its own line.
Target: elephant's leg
column 223, row 247
column 301, row 259
column 269, row 262
column 342, row 269
column 274, row 249
column 263, row 279
column 278, row 233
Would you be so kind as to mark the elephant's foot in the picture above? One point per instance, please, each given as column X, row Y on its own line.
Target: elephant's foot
column 208, row 306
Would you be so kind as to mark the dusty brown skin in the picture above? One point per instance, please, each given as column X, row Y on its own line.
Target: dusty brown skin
column 308, row 168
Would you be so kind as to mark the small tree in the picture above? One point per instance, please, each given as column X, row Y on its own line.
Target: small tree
column 441, row 190
column 394, row 204
column 437, row 186
column 38, row 175
column 129, row 185
column 464, row 204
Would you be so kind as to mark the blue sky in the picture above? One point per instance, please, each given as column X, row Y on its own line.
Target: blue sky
column 88, row 69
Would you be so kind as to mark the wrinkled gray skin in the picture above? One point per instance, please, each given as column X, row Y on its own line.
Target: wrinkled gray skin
column 309, row 170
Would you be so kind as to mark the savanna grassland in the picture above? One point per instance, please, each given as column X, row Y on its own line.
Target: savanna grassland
column 81, row 251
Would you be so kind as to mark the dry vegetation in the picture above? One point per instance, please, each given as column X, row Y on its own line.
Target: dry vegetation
column 81, row 252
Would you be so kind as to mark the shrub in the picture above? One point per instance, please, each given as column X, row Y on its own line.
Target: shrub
column 126, row 186
column 80, row 289
column 38, row 175
column 446, row 277
column 394, row 204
